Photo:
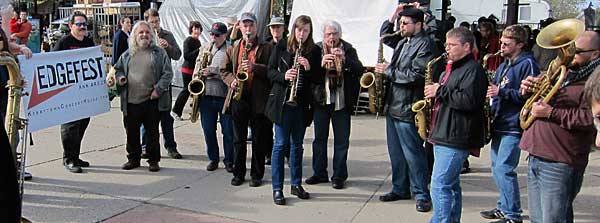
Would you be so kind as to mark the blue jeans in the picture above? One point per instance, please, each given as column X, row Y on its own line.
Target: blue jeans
column 210, row 111
column 446, row 193
column 291, row 130
column 341, row 134
column 552, row 187
column 408, row 158
column 504, row 155
column 166, row 125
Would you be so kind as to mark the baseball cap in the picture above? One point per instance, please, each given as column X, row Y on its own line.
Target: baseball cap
column 248, row 16
column 218, row 28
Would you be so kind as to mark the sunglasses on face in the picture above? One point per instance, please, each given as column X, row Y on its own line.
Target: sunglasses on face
column 579, row 51
column 80, row 24
column 215, row 35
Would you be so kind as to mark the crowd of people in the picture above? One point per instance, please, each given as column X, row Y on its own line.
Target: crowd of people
column 290, row 82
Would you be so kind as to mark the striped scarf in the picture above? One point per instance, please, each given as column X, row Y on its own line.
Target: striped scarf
column 584, row 72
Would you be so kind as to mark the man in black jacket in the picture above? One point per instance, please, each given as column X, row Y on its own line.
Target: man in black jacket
column 457, row 122
column 405, row 76
column 334, row 95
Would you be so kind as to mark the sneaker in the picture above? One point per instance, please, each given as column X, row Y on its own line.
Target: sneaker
column 506, row 220
column 73, row 168
column 176, row 116
column 492, row 214
column 173, row 153
column 81, row 163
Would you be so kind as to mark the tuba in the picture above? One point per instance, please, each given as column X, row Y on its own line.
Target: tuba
column 294, row 83
column 374, row 81
column 333, row 76
column 487, row 109
column 424, row 108
column 242, row 75
column 12, row 122
column 197, row 86
column 558, row 35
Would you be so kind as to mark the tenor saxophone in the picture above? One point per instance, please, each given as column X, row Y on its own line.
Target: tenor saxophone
column 242, row 75
column 197, row 85
column 292, row 100
column 424, row 108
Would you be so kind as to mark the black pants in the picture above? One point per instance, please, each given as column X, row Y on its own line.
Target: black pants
column 262, row 139
column 71, row 135
column 183, row 96
column 137, row 114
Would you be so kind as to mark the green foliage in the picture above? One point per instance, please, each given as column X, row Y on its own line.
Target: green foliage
column 562, row 9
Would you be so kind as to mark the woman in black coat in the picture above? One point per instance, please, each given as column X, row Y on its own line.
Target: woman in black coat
column 191, row 48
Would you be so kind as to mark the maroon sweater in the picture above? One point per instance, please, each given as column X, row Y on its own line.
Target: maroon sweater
column 568, row 134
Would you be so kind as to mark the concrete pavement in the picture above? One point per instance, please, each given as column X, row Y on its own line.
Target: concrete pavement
column 183, row 191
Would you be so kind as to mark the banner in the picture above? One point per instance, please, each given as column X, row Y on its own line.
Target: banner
column 64, row 86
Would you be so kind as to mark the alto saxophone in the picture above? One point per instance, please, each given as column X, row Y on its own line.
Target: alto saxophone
column 487, row 108
column 424, row 108
column 197, row 85
column 333, row 76
column 242, row 75
column 374, row 81
column 292, row 100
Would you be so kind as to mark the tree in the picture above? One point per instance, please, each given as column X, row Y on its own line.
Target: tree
column 562, row 9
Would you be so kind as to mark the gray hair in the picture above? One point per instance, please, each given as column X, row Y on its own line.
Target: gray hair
column 463, row 35
column 333, row 24
column 133, row 44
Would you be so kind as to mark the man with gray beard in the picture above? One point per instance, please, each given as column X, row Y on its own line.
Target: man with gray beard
column 144, row 74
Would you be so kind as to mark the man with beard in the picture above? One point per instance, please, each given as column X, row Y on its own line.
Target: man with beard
column 405, row 76
column 559, row 140
column 72, row 132
column 249, row 109
column 144, row 73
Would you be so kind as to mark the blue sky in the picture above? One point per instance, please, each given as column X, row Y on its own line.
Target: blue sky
column 595, row 3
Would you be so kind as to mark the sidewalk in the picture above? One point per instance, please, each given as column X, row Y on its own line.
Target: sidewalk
column 183, row 191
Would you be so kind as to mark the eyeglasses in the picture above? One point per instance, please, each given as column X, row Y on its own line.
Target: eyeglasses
column 215, row 35
column 80, row 24
column 331, row 34
column 506, row 44
column 579, row 51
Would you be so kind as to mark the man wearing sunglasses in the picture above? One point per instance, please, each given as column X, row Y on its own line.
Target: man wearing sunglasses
column 72, row 133
column 559, row 140
column 211, row 103
column 165, row 40
column 506, row 131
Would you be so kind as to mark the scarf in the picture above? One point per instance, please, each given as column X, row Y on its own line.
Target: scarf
column 582, row 73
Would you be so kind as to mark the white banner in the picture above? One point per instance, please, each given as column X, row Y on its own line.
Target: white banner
column 64, row 86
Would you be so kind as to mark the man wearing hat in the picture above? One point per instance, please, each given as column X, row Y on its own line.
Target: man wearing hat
column 277, row 29
column 211, row 104
column 405, row 76
column 249, row 109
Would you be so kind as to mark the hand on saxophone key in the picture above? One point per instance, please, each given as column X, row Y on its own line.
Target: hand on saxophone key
column 327, row 60
column 247, row 66
column 234, row 83
column 431, row 90
column 290, row 74
column 492, row 91
column 204, row 72
column 540, row 109
column 304, row 62
column 527, row 85
column 380, row 67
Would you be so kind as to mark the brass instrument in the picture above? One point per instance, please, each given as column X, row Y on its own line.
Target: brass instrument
column 197, row 86
column 333, row 76
column 294, row 83
column 487, row 108
column 558, row 35
column 374, row 81
column 424, row 108
column 12, row 122
column 242, row 75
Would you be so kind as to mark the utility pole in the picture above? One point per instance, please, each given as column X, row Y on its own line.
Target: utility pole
column 512, row 12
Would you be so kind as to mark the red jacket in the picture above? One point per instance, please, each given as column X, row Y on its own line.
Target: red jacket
column 14, row 25
column 24, row 32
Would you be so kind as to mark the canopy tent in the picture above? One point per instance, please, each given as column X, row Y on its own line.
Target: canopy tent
column 175, row 16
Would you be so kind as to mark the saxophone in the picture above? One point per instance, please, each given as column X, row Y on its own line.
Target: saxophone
column 424, row 108
column 374, row 81
column 12, row 122
column 487, row 108
column 559, row 35
column 197, row 86
column 242, row 75
column 294, row 83
column 333, row 76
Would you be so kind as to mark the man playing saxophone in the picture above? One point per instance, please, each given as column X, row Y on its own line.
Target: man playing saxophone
column 506, row 132
column 405, row 77
column 334, row 95
column 559, row 140
column 249, row 109
column 211, row 103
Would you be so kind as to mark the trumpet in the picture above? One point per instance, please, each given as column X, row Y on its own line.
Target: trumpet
column 292, row 100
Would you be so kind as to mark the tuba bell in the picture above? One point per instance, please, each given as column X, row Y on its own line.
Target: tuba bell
column 559, row 35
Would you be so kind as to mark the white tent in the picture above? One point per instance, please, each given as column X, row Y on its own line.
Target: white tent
column 175, row 16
